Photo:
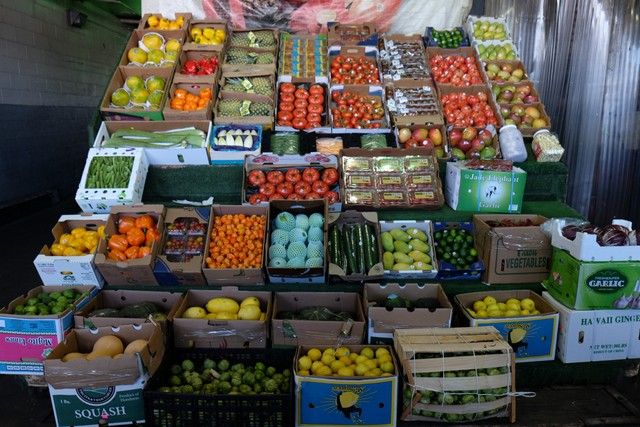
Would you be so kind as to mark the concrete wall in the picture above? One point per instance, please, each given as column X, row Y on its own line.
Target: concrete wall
column 52, row 78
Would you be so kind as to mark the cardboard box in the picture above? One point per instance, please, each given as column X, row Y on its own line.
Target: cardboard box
column 134, row 271
column 318, row 400
column 582, row 285
column 269, row 162
column 249, row 32
column 595, row 335
column 298, row 275
column 365, row 34
column 446, row 149
column 484, row 190
column 167, row 302
column 350, row 218
column 314, row 332
column 265, row 121
column 367, row 91
column 192, row 88
column 110, row 112
column 233, row 276
column 512, row 254
column 82, row 390
column 185, row 15
column 529, row 131
column 208, row 333
column 382, row 321
column 135, row 40
column 207, row 23
column 25, row 341
column 368, row 53
column 473, row 90
column 393, row 59
column 424, row 226
column 170, row 271
column 70, row 270
column 423, row 119
column 101, row 200
column 430, row 40
column 302, row 56
column 224, row 155
column 161, row 156
column 464, row 51
column 472, row 19
column 197, row 55
column 250, row 51
column 502, row 62
column 532, row 337
column 325, row 125
column 447, row 270
column 240, row 73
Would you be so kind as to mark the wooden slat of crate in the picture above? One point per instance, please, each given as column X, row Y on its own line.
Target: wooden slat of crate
column 461, row 383
column 459, row 363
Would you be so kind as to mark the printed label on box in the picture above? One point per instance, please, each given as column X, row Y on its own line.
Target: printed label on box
column 530, row 339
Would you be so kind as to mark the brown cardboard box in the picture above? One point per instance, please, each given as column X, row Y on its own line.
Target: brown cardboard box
column 297, row 275
column 464, row 51
column 369, row 53
column 143, row 21
column 369, row 92
column 203, row 23
column 135, row 271
column 193, row 88
column 233, row 276
column 473, row 90
column 350, row 34
column 265, row 121
column 136, row 37
column 104, row 371
column 313, row 332
column 168, row 302
column 425, row 119
column 196, row 55
column 383, row 322
column 443, row 131
column 243, row 73
column 355, row 217
column 208, row 333
column 512, row 254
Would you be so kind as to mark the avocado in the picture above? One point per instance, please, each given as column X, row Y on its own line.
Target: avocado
column 104, row 312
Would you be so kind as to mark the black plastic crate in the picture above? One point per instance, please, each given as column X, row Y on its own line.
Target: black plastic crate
column 220, row 410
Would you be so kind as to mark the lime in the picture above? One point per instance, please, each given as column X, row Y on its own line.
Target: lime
column 33, row 301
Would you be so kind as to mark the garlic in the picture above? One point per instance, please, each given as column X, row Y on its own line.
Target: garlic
column 623, row 301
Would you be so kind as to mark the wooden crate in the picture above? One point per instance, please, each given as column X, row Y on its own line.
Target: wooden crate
column 456, row 374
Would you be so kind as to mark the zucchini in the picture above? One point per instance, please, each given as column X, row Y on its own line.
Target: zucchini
column 347, row 245
column 366, row 240
column 358, row 243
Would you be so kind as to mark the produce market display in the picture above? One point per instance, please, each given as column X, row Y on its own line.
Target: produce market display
column 134, row 238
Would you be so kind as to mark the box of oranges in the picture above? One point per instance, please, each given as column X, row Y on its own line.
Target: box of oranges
column 346, row 385
column 189, row 101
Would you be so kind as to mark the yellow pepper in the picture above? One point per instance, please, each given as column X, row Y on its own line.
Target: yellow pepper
column 101, row 231
column 78, row 244
column 57, row 249
column 69, row 251
column 78, row 232
column 65, row 239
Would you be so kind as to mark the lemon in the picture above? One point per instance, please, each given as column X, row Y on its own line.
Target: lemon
column 494, row 313
column 226, row 316
column 493, row 307
column 359, row 359
column 471, row 312
column 314, row 354
column 211, row 316
column 527, row 304
column 376, row 372
column 315, row 365
column 347, row 371
column 327, row 359
column 513, row 301
column 342, row 351
column 512, row 313
column 263, row 317
column 380, row 351
column 329, row 351
column 511, row 306
column 304, row 363
column 534, row 312
column 353, row 356
column 194, row 313
column 336, row 365
column 479, row 305
column 249, row 312
column 502, row 306
column 384, row 358
column 324, row 371
column 153, row 21
column 361, row 369
column 371, row 364
column 222, row 305
column 488, row 300
column 525, row 312
column 250, row 301
column 387, row 367
column 152, row 41
column 346, row 361
column 368, row 352
column 482, row 314
column 386, row 374
column 370, row 373
column 304, row 373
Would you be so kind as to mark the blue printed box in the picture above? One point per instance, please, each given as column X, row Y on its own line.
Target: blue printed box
column 532, row 335
column 345, row 401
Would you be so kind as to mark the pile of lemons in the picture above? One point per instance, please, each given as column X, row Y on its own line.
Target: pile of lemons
column 207, row 35
column 222, row 308
column 159, row 22
column 513, row 307
column 342, row 362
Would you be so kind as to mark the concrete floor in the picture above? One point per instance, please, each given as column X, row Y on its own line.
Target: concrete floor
column 20, row 405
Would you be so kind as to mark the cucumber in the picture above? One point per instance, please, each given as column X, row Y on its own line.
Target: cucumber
column 334, row 245
column 358, row 247
column 347, row 246
column 366, row 246
column 371, row 246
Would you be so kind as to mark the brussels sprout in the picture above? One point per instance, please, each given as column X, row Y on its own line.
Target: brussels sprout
column 271, row 386
column 237, row 367
column 248, row 378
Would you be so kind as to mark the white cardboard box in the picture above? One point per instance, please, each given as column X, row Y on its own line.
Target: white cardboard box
column 100, row 200
column 596, row 335
column 425, row 226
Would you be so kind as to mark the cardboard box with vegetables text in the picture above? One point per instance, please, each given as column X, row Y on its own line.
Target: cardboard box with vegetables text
column 166, row 302
column 233, row 276
column 595, row 335
column 382, row 321
column 533, row 337
column 174, row 156
column 474, row 190
column 213, row 333
column 604, row 285
column 95, row 199
column 317, row 332
column 133, row 271
column 337, row 401
column 26, row 340
column 82, row 390
column 171, row 272
column 513, row 254
column 70, row 270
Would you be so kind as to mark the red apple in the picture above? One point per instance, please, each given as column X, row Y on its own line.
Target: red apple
column 477, row 144
column 530, row 99
column 473, row 154
column 464, row 145
column 455, row 136
column 435, row 136
column 411, row 143
column 525, row 89
column 469, row 134
column 485, row 136
column 419, row 134
column 426, row 143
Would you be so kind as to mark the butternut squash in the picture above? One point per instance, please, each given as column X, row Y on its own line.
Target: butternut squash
column 109, row 346
column 135, row 346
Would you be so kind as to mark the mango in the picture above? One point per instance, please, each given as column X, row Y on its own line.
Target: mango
column 387, row 241
column 401, row 246
column 417, row 234
column 388, row 260
column 420, row 256
column 398, row 234
column 402, row 258
column 419, row 265
column 401, row 266
column 419, row 245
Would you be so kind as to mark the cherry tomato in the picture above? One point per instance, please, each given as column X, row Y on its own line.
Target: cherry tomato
column 256, row 178
column 330, row 176
column 331, row 197
column 302, row 188
column 320, row 187
column 267, row 189
column 293, row 175
column 285, row 188
column 310, row 175
column 275, row 177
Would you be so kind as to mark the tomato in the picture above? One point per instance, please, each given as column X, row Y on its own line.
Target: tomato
column 330, row 176
column 257, row 198
column 316, row 99
column 285, row 188
column 299, row 123
column 275, row 177
column 320, row 187
column 287, row 88
column 286, row 106
column 285, row 123
column 312, row 196
column 287, row 97
column 293, row 175
column 294, row 196
column 276, row 196
column 310, row 175
column 331, row 197
column 301, row 93
column 316, row 108
column 302, row 188
column 316, row 90
column 312, row 125
column 314, row 117
column 300, row 103
column 256, row 178
column 336, row 96
column 299, row 112
column 285, row 116
column 267, row 189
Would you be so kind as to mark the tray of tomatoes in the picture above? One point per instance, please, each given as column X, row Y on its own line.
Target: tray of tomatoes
column 360, row 108
column 301, row 106
column 293, row 183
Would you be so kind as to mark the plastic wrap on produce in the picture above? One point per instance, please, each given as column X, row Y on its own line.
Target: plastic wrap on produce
column 311, row 16
column 217, row 329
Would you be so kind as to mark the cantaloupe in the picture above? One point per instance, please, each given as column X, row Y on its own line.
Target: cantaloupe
column 135, row 346
column 109, row 346
column 73, row 356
